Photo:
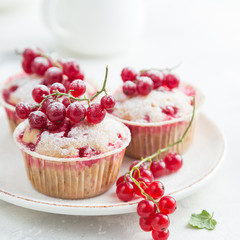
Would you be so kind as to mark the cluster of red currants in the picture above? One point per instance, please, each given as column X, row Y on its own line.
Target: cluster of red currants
column 139, row 181
column 36, row 61
column 144, row 82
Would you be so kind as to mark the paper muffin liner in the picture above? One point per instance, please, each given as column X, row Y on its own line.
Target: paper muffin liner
column 148, row 138
column 72, row 178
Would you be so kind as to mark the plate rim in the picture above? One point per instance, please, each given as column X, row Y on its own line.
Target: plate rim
column 121, row 207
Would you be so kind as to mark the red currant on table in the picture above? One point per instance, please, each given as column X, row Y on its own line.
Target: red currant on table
column 128, row 74
column 95, row 113
column 125, row 191
column 108, row 102
column 145, row 224
column 71, row 69
column 56, row 112
column 144, row 85
column 173, row 161
column 160, row 235
column 39, row 92
column 37, row 119
column 156, row 78
column 146, row 208
column 23, row 110
column 129, row 88
column 77, row 88
column 160, row 221
column 53, row 75
column 170, row 81
column 40, row 65
column 76, row 112
column 156, row 189
column 57, row 86
column 167, row 204
column 158, row 168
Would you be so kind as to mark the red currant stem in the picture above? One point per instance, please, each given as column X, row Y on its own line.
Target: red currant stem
column 48, row 57
column 162, row 69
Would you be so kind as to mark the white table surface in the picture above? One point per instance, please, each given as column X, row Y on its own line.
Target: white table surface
column 204, row 36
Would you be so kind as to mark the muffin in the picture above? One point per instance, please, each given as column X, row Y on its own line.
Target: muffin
column 157, row 109
column 73, row 162
column 38, row 69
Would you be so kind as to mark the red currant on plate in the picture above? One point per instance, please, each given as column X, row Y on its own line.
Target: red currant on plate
column 128, row 74
column 76, row 112
column 37, row 119
column 129, row 88
column 124, row 178
column 144, row 85
column 146, row 208
column 156, row 189
column 160, row 221
column 125, row 191
column 95, row 113
column 145, row 224
column 167, row 204
column 158, row 168
column 160, row 235
column 173, row 161
column 77, row 87
column 39, row 92
column 53, row 75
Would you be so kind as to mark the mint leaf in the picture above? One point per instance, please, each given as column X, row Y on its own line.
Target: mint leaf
column 203, row 220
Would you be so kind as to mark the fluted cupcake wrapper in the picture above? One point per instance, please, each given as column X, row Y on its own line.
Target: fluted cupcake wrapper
column 73, row 179
column 13, row 119
column 147, row 140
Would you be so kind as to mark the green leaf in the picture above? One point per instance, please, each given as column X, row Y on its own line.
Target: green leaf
column 203, row 220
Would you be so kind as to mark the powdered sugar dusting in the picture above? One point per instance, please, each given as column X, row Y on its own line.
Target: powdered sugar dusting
column 102, row 137
column 24, row 90
column 137, row 108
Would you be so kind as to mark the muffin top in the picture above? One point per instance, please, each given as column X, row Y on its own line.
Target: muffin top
column 75, row 139
column 160, row 104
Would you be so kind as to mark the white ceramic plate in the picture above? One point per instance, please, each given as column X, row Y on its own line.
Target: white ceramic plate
column 200, row 163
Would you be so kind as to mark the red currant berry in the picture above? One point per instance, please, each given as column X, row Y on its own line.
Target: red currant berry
column 129, row 88
column 158, row 168
column 23, row 110
column 170, row 110
column 145, row 224
column 39, row 92
column 52, row 126
column 171, row 81
column 53, row 75
column 160, row 221
column 146, row 208
column 128, row 74
column 80, row 75
column 29, row 54
column 37, row 119
column 135, row 163
column 71, row 69
column 167, row 204
column 108, row 102
column 56, row 112
column 173, row 161
column 40, row 65
column 95, row 113
column 26, row 65
column 144, row 85
column 144, row 173
column 77, row 87
column 156, row 78
column 66, row 102
column 46, row 103
column 160, row 235
column 57, row 87
column 125, row 191
column 76, row 112
column 156, row 189
column 144, row 184
column 124, row 178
